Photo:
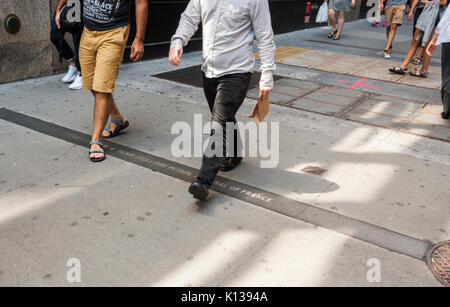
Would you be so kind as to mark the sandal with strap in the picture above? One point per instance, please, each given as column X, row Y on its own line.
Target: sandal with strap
column 332, row 33
column 418, row 73
column 91, row 151
column 121, row 125
column 336, row 37
column 398, row 70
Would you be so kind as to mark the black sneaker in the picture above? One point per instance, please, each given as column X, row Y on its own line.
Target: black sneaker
column 445, row 115
column 230, row 164
column 199, row 189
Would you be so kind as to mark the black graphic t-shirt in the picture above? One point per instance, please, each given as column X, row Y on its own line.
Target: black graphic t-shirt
column 101, row 15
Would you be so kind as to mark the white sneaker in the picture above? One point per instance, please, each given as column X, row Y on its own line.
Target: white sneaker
column 386, row 55
column 70, row 75
column 77, row 84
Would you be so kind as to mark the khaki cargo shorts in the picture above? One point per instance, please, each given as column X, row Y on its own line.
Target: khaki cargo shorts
column 100, row 56
column 394, row 14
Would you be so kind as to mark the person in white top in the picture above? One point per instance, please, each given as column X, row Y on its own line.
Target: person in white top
column 442, row 36
column 229, row 28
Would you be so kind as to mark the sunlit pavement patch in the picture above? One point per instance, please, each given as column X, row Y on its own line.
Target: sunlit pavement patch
column 284, row 52
column 438, row 260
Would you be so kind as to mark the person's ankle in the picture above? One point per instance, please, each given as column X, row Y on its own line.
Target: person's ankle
column 117, row 116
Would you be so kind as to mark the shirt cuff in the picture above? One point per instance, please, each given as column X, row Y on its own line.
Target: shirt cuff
column 266, row 79
column 176, row 43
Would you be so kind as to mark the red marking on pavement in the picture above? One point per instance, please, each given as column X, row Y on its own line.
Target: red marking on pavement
column 359, row 83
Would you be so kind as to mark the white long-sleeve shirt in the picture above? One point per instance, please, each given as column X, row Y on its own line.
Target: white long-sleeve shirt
column 443, row 28
column 229, row 28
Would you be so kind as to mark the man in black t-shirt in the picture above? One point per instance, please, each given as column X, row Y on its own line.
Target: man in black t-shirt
column 103, row 42
column 100, row 15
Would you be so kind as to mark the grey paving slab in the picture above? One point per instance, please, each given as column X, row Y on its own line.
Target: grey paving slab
column 329, row 96
column 348, row 64
column 433, row 80
column 290, row 91
column 384, row 112
column 428, row 122
column 343, row 92
column 314, row 105
column 403, row 91
column 301, row 84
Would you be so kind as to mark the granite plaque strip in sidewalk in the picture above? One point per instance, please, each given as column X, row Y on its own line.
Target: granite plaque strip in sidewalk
column 351, row 227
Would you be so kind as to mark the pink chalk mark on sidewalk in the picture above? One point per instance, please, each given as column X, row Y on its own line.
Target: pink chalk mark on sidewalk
column 359, row 83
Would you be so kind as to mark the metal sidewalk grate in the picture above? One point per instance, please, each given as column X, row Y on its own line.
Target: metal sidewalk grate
column 438, row 261
column 193, row 76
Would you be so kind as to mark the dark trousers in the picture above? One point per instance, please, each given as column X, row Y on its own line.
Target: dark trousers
column 57, row 38
column 417, row 13
column 225, row 96
column 445, row 89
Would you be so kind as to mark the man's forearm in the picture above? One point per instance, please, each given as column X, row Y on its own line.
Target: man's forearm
column 141, row 19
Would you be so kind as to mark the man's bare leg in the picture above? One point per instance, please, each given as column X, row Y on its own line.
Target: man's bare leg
column 391, row 36
column 115, row 113
column 102, row 109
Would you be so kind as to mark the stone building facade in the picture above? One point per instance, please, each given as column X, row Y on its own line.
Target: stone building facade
column 28, row 53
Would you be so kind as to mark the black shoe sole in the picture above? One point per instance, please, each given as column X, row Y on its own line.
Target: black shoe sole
column 445, row 115
column 198, row 192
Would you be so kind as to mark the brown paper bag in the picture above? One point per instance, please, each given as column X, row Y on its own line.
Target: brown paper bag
column 261, row 109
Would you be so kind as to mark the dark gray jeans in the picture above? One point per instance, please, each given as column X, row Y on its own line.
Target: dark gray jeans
column 445, row 89
column 225, row 96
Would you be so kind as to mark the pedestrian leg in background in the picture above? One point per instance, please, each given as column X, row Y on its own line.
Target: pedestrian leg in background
column 423, row 72
column 391, row 30
column 77, row 84
column 376, row 23
column 341, row 21
column 332, row 20
column 229, row 93
column 445, row 89
column 64, row 50
column 415, row 43
column 394, row 19
column 419, row 57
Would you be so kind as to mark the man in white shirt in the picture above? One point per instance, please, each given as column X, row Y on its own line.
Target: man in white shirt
column 229, row 27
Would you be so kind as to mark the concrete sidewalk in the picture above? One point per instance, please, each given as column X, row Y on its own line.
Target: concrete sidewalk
column 133, row 224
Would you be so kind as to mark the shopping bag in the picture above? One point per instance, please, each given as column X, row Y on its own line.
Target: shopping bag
column 261, row 109
column 322, row 15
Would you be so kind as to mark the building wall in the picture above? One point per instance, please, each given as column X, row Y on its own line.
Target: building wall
column 29, row 53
